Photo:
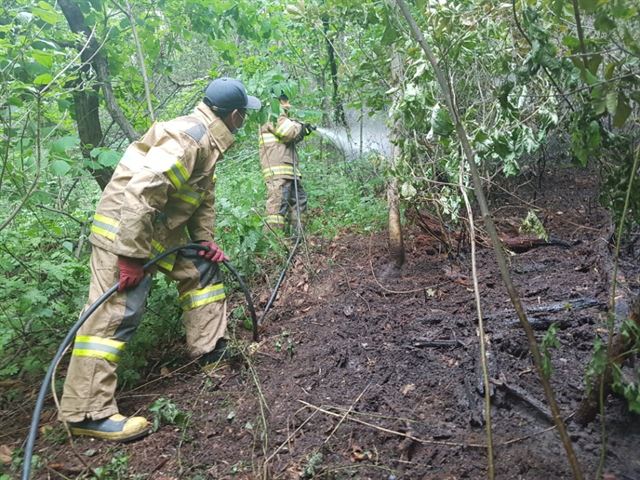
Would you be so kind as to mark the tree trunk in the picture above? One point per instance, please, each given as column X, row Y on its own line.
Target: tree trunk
column 98, row 61
column 396, row 242
column 86, row 105
column 339, row 116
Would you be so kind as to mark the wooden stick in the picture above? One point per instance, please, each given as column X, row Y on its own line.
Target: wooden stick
column 394, row 432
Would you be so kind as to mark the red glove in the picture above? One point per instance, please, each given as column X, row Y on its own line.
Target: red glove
column 131, row 272
column 214, row 254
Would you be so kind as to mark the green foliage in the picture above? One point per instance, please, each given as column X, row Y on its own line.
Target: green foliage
column 116, row 469
column 532, row 225
column 166, row 412
column 314, row 463
column 597, row 364
column 629, row 387
column 549, row 341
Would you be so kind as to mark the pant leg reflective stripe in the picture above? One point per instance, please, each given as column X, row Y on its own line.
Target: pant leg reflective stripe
column 178, row 175
column 105, row 226
column 98, row 347
column 167, row 263
column 269, row 172
column 202, row 296
column 275, row 219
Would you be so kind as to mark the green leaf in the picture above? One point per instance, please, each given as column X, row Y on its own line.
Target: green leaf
column 441, row 122
column 609, row 69
column 60, row 167
column 588, row 5
column 61, row 145
column 42, row 79
column 623, row 111
column 46, row 14
column 611, row 102
column 43, row 58
column 604, row 24
column 594, row 63
column 109, row 158
column 390, row 35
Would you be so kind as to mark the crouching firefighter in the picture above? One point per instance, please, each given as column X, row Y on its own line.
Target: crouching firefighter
column 286, row 197
column 161, row 195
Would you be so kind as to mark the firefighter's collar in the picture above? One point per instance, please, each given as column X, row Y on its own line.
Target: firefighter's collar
column 218, row 131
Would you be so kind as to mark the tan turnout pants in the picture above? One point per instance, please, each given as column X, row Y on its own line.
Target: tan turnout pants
column 91, row 380
column 283, row 204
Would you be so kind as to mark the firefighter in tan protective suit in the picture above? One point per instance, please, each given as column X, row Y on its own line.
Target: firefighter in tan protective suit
column 279, row 161
column 161, row 195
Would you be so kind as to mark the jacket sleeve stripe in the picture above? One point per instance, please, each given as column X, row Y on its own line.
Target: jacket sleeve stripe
column 105, row 226
column 178, row 175
column 167, row 263
column 267, row 138
column 188, row 195
column 285, row 128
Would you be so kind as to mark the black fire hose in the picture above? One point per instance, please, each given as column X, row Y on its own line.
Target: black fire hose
column 35, row 419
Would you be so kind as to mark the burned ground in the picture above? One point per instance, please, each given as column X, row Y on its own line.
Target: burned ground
column 362, row 376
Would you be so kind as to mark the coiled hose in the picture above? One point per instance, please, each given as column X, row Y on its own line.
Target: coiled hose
column 35, row 419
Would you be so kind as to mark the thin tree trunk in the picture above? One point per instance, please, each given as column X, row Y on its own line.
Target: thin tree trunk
column 143, row 68
column 339, row 116
column 86, row 104
column 493, row 234
column 396, row 241
column 98, row 61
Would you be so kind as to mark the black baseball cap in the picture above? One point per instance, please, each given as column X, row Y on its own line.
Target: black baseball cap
column 226, row 94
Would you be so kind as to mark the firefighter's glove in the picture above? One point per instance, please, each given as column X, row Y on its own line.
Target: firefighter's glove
column 131, row 273
column 214, row 254
column 307, row 129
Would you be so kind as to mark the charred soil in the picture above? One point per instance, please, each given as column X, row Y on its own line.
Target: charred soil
column 363, row 375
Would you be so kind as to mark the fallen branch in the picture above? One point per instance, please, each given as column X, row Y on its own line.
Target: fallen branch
column 524, row 396
column 425, row 343
column 393, row 432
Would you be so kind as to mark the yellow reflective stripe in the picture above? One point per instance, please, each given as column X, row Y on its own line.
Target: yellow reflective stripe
column 280, row 170
column 96, row 354
column 103, row 232
column 98, row 347
column 267, row 138
column 107, row 220
column 178, row 175
column 105, row 226
column 285, row 128
column 188, row 195
column 277, row 219
column 202, row 296
column 167, row 263
column 117, row 344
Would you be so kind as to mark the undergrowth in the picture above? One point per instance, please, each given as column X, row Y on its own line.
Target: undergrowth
column 45, row 259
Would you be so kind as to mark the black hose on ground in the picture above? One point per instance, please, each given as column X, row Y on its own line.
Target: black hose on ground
column 35, row 419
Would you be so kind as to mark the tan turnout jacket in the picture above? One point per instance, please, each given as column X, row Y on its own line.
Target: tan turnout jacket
column 163, row 188
column 277, row 148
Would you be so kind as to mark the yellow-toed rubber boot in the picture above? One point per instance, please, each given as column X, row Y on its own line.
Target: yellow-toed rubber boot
column 117, row 428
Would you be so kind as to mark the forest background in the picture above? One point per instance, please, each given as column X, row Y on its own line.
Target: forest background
column 532, row 81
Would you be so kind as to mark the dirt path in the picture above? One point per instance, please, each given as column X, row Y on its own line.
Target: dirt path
column 360, row 377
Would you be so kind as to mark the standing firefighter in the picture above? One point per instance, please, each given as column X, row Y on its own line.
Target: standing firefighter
column 160, row 196
column 279, row 160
